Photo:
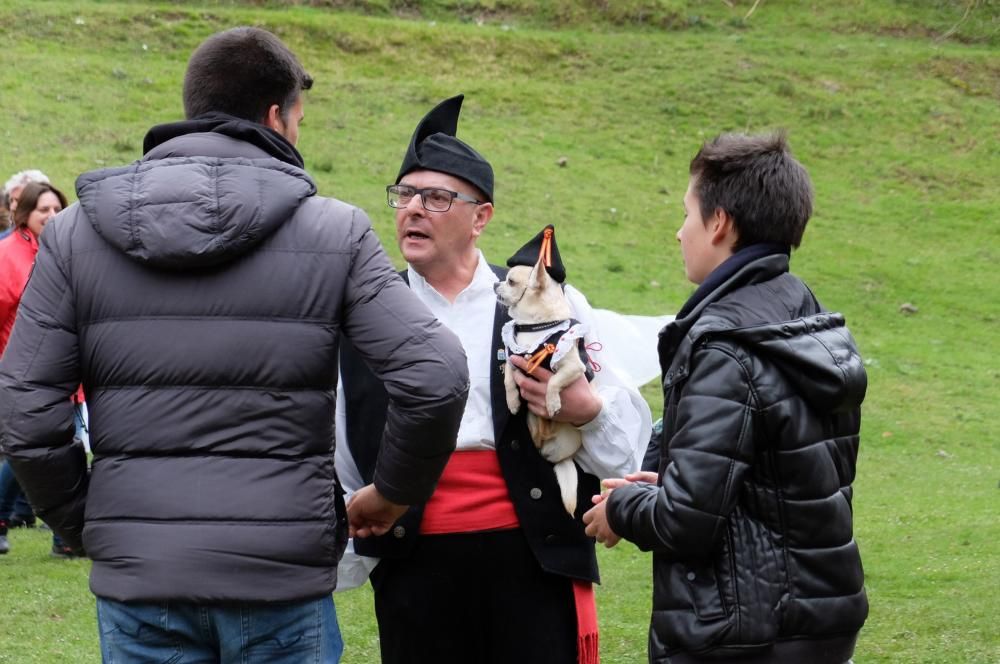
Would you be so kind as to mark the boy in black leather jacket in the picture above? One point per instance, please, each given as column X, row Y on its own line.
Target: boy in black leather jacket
column 749, row 516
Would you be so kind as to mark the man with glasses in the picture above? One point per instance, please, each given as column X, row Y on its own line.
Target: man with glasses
column 433, row 200
column 491, row 568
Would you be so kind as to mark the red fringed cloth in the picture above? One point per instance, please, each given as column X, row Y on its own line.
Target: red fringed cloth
column 471, row 496
column 587, row 646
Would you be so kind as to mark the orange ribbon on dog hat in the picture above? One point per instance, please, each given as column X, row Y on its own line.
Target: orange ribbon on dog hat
column 541, row 247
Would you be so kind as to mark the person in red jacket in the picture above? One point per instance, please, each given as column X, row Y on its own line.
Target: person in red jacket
column 38, row 203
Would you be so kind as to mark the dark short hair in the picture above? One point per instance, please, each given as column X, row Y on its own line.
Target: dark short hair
column 243, row 72
column 29, row 200
column 758, row 183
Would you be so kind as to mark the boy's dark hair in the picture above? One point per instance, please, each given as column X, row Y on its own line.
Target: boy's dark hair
column 28, row 201
column 243, row 72
column 757, row 181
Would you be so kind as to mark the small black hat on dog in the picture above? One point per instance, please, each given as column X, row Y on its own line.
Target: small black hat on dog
column 542, row 245
column 434, row 147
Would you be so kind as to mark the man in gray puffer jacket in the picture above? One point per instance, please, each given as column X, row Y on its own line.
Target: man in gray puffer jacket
column 749, row 517
column 200, row 295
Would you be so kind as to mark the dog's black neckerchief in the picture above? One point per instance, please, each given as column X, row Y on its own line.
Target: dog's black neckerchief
column 536, row 327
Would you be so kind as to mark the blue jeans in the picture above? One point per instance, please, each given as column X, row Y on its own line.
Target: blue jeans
column 10, row 490
column 187, row 633
column 12, row 500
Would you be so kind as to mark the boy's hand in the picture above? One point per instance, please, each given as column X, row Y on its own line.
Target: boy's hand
column 596, row 520
column 643, row 476
column 612, row 483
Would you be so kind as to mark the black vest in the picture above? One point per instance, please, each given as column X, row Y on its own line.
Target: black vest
column 558, row 541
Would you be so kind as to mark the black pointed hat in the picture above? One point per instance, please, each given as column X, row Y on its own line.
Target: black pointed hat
column 435, row 148
column 544, row 246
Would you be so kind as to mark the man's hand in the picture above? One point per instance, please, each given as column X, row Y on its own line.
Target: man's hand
column 580, row 404
column 369, row 513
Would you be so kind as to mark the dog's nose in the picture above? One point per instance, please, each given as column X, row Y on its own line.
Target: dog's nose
column 496, row 287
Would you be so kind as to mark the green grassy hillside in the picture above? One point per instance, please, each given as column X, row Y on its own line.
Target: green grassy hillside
column 891, row 104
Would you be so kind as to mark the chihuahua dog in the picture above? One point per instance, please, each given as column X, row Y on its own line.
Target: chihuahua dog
column 542, row 331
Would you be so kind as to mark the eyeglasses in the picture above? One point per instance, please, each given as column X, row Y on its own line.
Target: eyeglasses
column 432, row 198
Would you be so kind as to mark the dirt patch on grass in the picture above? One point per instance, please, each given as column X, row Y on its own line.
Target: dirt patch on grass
column 980, row 78
column 961, row 34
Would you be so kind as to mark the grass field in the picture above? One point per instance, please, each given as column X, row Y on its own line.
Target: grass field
column 891, row 104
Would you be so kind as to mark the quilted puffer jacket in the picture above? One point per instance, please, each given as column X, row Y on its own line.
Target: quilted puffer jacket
column 751, row 522
column 201, row 295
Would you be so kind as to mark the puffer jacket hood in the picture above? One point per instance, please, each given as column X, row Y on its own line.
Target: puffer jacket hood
column 191, row 212
column 815, row 352
column 817, row 355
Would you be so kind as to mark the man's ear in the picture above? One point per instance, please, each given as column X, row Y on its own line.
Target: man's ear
column 273, row 118
column 484, row 213
column 722, row 230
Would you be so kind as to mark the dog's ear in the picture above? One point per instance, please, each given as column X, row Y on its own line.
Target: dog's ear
column 538, row 276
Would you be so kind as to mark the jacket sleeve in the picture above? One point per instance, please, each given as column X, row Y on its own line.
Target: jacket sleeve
column 421, row 363
column 39, row 371
column 709, row 454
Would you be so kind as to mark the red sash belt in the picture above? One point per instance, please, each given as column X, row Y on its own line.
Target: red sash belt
column 471, row 496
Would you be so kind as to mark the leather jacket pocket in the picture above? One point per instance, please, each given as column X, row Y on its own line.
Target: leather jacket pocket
column 703, row 588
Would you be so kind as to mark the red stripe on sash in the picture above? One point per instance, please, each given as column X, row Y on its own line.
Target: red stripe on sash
column 471, row 496
column 587, row 644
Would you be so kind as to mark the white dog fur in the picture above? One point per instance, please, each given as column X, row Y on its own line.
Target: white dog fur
column 531, row 295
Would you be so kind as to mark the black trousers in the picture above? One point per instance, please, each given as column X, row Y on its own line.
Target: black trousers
column 473, row 598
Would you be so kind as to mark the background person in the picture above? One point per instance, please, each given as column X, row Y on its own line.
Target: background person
column 749, row 517
column 208, row 294
column 35, row 204
column 491, row 568
column 21, row 513
column 12, row 192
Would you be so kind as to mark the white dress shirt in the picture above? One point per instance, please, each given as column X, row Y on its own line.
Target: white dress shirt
column 470, row 317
